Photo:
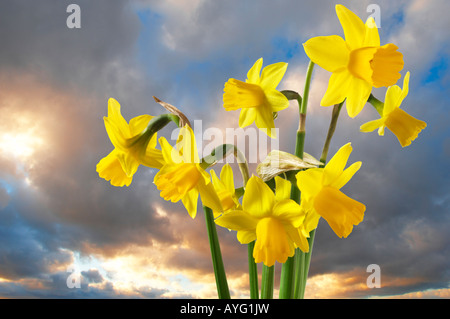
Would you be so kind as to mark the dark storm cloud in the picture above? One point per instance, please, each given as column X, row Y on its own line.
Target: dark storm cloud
column 35, row 38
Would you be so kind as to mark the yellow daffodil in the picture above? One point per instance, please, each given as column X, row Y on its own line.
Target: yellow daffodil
column 357, row 63
column 320, row 192
column 270, row 219
column 182, row 178
column 257, row 96
column 225, row 189
column 133, row 144
column 403, row 125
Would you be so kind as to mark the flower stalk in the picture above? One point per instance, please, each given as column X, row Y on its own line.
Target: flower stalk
column 287, row 283
column 267, row 282
column 216, row 255
column 376, row 103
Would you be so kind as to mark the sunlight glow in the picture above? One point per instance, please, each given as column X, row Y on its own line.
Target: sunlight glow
column 20, row 146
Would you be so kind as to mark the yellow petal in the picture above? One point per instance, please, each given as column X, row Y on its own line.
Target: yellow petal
column 258, row 198
column 354, row 28
column 395, row 96
column 110, row 169
column 338, row 88
column 330, row 52
column 298, row 237
column 271, row 242
column 153, row 158
column 336, row 164
column 277, row 100
column 117, row 135
column 405, row 89
column 227, row 178
column 153, row 141
column 340, row 211
column 115, row 116
column 170, row 154
column 346, row 175
column 371, row 38
column 190, row 201
column 209, row 196
column 253, row 75
column 237, row 220
column 371, row 125
column 272, row 74
column 311, row 221
column 288, row 211
column 246, row 236
column 282, row 188
column 264, row 120
column 215, row 180
column 187, row 146
column 128, row 162
column 139, row 123
column 225, row 195
column 247, row 117
column 310, row 182
column 359, row 92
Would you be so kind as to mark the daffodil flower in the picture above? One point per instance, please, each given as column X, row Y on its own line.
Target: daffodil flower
column 357, row 63
column 225, row 189
column 403, row 125
column 270, row 219
column 182, row 177
column 134, row 146
column 320, row 192
column 257, row 96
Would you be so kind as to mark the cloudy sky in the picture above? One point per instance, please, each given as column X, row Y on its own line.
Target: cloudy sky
column 60, row 223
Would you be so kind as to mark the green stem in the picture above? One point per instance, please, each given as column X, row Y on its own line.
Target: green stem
column 306, row 263
column 331, row 129
column 306, row 257
column 267, row 282
column 304, row 104
column 288, row 281
column 217, row 154
column 299, row 274
column 377, row 104
column 216, row 255
column 253, row 272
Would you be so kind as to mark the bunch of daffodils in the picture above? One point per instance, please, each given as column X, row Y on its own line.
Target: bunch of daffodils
column 277, row 211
